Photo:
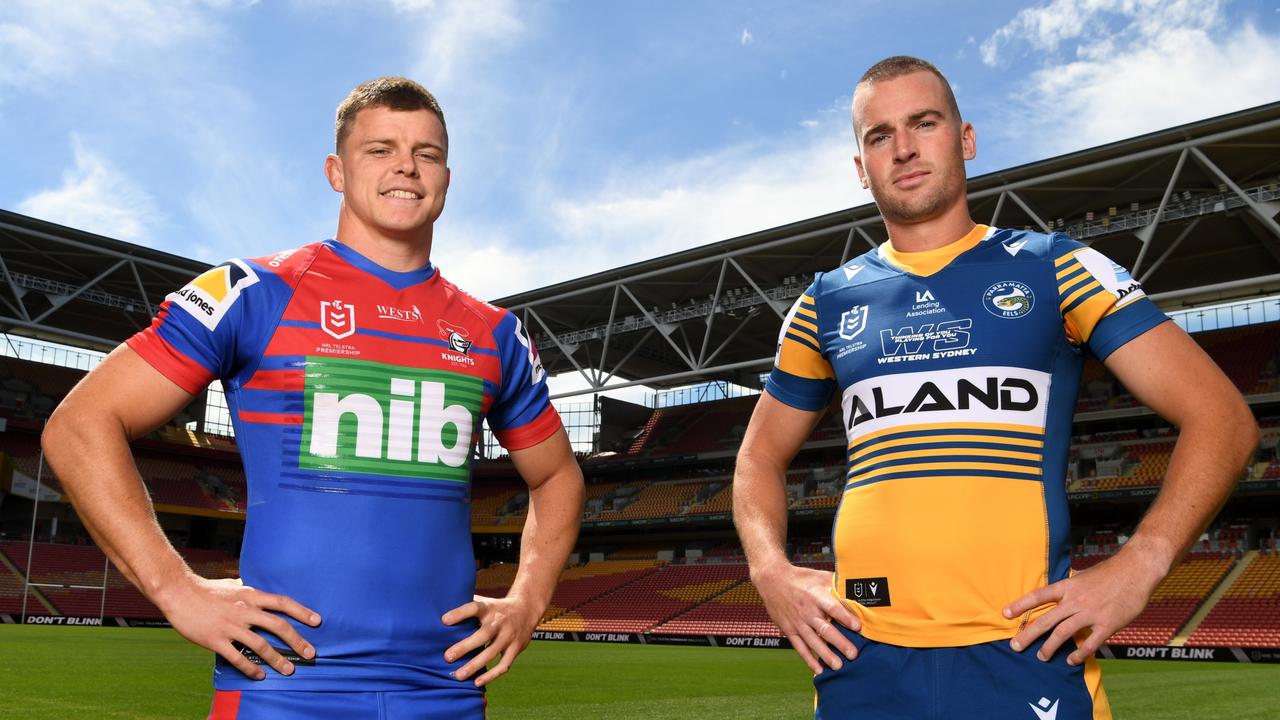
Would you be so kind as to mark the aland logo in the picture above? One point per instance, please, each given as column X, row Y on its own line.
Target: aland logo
column 209, row 296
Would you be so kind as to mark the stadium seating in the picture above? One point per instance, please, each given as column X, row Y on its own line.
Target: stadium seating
column 84, row 565
column 649, row 600
column 1248, row 615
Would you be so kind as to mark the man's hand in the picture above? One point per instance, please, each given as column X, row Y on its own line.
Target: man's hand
column 216, row 613
column 799, row 600
column 1101, row 599
column 506, row 626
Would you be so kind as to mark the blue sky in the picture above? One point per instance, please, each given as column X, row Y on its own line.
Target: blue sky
column 583, row 135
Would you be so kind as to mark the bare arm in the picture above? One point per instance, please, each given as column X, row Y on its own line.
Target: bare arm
column 86, row 442
column 550, row 531
column 1167, row 371
column 798, row 599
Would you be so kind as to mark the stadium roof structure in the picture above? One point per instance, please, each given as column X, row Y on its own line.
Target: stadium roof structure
column 1190, row 210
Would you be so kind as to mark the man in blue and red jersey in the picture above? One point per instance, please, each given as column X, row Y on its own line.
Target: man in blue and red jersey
column 357, row 379
column 956, row 351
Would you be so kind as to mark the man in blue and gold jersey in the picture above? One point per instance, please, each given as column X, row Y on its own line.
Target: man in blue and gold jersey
column 955, row 350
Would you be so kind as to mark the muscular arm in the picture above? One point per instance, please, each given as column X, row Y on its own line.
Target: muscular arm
column 550, row 531
column 798, row 599
column 1168, row 372
column 86, row 442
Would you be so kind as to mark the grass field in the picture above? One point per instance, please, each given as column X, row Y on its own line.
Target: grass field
column 56, row 673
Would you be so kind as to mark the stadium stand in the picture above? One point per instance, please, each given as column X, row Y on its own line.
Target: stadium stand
column 1248, row 615
column 648, row 601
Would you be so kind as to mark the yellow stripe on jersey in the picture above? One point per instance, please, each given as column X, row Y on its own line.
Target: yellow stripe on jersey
column 942, row 468
column 1059, row 262
column 1003, row 427
column 1064, row 286
column 798, row 321
column 807, row 312
column 926, row 439
column 944, row 452
column 1085, row 316
column 1079, row 292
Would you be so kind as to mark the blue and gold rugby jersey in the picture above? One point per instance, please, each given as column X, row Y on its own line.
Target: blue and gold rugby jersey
column 957, row 370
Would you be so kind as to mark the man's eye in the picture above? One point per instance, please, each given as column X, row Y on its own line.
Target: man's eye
column 379, row 152
column 879, row 139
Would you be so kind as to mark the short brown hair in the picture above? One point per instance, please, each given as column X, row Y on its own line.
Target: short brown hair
column 899, row 65
column 389, row 91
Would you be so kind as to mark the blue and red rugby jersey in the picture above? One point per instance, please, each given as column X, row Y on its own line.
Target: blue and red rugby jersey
column 356, row 393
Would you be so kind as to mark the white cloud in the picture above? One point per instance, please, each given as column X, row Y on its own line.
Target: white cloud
column 1112, row 69
column 747, row 37
column 457, row 33
column 46, row 40
column 641, row 212
column 95, row 197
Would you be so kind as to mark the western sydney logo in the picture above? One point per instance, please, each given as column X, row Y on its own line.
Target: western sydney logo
column 1045, row 710
column 209, row 296
column 337, row 318
column 374, row 418
column 853, row 321
column 927, row 342
column 1007, row 395
column 1008, row 299
column 388, row 312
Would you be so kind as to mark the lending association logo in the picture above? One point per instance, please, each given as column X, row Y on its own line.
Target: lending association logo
column 853, row 321
column 1009, row 299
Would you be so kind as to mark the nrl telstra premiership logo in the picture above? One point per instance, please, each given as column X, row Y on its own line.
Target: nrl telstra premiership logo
column 337, row 318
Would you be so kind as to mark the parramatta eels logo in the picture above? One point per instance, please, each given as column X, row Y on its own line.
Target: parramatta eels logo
column 1009, row 299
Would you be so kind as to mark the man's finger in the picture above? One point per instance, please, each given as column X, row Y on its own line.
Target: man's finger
column 460, row 613
column 232, row 654
column 288, row 606
column 1034, row 599
column 820, row 648
column 276, row 625
column 839, row 612
column 803, row 651
column 508, row 657
column 477, row 663
column 268, row 654
column 479, row 638
column 832, row 635
column 1062, row 633
column 1088, row 647
column 1038, row 627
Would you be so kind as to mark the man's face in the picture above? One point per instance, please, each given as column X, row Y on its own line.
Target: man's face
column 912, row 147
column 391, row 171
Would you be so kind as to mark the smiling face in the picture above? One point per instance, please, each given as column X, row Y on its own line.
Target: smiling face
column 392, row 173
column 912, row 147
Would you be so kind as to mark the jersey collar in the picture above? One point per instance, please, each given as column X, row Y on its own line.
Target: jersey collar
column 394, row 278
column 928, row 262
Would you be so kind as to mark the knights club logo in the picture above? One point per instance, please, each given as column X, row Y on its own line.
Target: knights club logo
column 337, row 318
column 853, row 321
column 455, row 336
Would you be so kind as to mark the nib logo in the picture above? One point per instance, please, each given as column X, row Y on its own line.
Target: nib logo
column 1044, row 709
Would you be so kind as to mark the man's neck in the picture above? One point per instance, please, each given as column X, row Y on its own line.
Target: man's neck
column 933, row 233
column 401, row 254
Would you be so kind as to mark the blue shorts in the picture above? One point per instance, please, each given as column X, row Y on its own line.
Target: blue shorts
column 976, row 682
column 435, row 703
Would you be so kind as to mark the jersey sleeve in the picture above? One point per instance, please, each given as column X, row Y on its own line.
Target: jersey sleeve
column 1102, row 305
column 802, row 376
column 192, row 338
column 521, row 415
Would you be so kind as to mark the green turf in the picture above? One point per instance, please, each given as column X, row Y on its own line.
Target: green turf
column 55, row 673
